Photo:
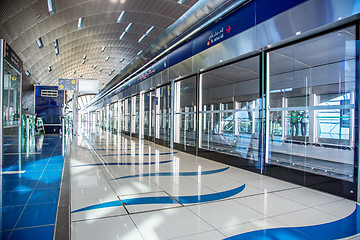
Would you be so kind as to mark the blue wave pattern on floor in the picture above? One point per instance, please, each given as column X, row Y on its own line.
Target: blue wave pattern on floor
column 167, row 199
column 162, row 174
column 137, row 154
column 345, row 227
column 121, row 164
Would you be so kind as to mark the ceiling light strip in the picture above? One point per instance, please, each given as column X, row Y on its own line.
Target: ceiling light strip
column 51, row 6
column 39, row 42
column 121, row 16
column 80, row 23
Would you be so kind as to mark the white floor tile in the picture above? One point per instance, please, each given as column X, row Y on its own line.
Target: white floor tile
column 308, row 196
column 108, row 228
column 225, row 213
column 265, row 223
column 270, row 204
column 169, row 223
column 211, row 235
column 305, row 217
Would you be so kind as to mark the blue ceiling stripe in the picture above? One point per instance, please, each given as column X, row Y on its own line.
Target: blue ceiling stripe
column 162, row 174
column 342, row 228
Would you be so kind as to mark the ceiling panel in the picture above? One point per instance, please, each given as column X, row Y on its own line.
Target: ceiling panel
column 23, row 21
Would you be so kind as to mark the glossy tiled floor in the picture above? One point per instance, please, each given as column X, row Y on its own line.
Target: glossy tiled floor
column 123, row 188
column 29, row 200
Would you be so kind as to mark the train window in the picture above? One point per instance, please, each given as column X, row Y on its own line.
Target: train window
column 312, row 104
column 230, row 109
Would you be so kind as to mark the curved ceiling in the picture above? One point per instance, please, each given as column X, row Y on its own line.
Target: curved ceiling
column 22, row 22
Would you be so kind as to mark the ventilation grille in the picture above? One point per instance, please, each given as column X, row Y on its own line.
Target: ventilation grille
column 49, row 93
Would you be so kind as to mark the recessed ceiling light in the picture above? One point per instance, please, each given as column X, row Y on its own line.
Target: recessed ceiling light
column 80, row 23
column 128, row 27
column 39, row 42
column 122, row 36
column 74, row 71
column 99, row 70
column 95, row 66
column 142, row 38
column 121, row 60
column 56, row 43
column 49, row 68
column 140, row 52
column 80, row 75
column 181, row 1
column 83, row 61
column 84, row 57
column 103, row 48
column 57, row 51
column 149, row 31
column 107, row 58
column 28, row 73
column 121, row 16
column 51, row 6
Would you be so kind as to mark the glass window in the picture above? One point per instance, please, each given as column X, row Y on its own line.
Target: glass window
column 312, row 104
column 11, row 97
column 163, row 112
column 185, row 112
column 230, row 109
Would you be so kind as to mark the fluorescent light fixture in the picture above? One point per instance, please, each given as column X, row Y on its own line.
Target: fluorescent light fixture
column 83, row 61
column 56, row 43
column 121, row 60
column 49, row 68
column 149, row 31
column 28, row 73
column 80, row 75
column 107, row 58
column 99, row 70
column 84, row 57
column 142, row 38
column 74, row 71
column 57, row 51
column 111, row 72
column 51, row 6
column 128, row 27
column 122, row 36
column 140, row 52
column 95, row 66
column 181, row 1
column 39, row 42
column 103, row 48
column 80, row 23
column 121, row 16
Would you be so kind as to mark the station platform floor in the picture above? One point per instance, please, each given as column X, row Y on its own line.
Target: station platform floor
column 125, row 188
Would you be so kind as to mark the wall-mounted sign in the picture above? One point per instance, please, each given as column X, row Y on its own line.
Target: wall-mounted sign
column 67, row 84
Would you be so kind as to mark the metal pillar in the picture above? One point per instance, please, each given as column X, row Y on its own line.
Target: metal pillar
column 75, row 97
